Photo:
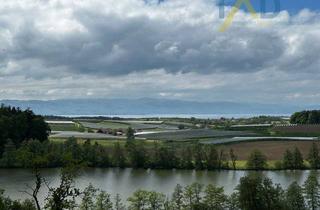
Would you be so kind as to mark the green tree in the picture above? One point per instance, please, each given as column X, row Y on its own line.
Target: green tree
column 273, row 195
column 192, row 196
column 130, row 134
column 198, row 156
column 156, row 200
column 118, row 205
column 215, row 198
column 155, row 158
column 294, row 197
column 233, row 158
column 101, row 156
column 118, row 156
column 311, row 189
column 186, row 158
column 313, row 156
column 63, row 196
column 257, row 161
column 168, row 157
column 9, row 157
column 73, row 149
column 288, row 162
column 233, row 201
column 297, row 159
column 139, row 200
column 306, row 117
column 212, row 157
column 103, row 201
column 137, row 153
column 88, row 197
column 177, row 197
column 257, row 193
column 222, row 161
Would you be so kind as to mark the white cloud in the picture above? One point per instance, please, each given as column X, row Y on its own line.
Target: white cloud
column 129, row 48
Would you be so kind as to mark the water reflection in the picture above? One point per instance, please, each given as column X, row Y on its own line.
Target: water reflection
column 126, row 181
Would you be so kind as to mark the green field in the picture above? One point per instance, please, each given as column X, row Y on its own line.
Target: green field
column 65, row 127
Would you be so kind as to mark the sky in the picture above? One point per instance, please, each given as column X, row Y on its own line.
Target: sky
column 61, row 49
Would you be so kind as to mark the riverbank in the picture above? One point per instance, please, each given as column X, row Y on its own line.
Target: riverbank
column 241, row 165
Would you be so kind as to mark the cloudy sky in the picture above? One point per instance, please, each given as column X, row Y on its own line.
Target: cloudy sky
column 53, row 49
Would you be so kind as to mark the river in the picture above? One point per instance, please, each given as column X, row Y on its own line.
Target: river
column 126, row 181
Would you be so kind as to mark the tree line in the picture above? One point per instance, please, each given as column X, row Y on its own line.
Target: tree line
column 306, row 117
column 135, row 154
column 254, row 192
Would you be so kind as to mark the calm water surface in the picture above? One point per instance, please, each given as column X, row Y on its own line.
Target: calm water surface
column 126, row 181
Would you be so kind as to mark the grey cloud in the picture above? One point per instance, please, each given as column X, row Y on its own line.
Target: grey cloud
column 115, row 44
column 172, row 50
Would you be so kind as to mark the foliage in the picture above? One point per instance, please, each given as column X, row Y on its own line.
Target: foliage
column 256, row 161
column 142, row 199
column 103, row 201
column 306, row 117
column 233, row 158
column 215, row 198
column 177, row 197
column 313, row 156
column 254, row 192
column 130, row 134
column 288, row 160
column 312, row 191
column 292, row 159
column 119, row 158
column 8, row 204
column 17, row 126
column 294, row 197
column 63, row 196
column 258, row 193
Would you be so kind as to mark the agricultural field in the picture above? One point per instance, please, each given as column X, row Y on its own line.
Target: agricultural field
column 60, row 126
column 297, row 130
column 177, row 123
column 274, row 150
column 107, row 124
column 254, row 138
column 108, row 143
column 192, row 134
column 135, row 124
column 167, row 130
column 82, row 135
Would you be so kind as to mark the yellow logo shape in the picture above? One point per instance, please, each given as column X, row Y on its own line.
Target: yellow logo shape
column 227, row 23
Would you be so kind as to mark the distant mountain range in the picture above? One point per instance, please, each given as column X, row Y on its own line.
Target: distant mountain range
column 147, row 106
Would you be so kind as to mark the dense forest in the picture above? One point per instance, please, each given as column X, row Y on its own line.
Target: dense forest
column 306, row 117
column 17, row 126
